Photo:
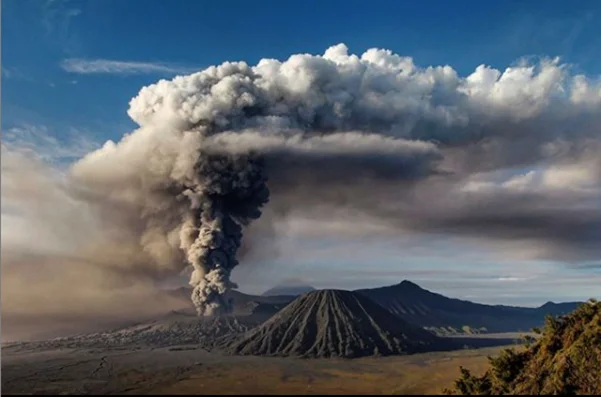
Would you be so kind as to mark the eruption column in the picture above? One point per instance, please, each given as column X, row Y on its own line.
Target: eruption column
column 373, row 133
column 227, row 193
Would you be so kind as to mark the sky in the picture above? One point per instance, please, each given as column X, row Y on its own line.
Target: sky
column 71, row 68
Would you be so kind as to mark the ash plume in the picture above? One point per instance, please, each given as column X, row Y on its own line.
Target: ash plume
column 225, row 193
column 196, row 170
column 411, row 147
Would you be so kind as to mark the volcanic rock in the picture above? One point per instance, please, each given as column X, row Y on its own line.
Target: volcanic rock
column 335, row 323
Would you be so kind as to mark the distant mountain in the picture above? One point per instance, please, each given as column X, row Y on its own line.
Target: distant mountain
column 335, row 323
column 288, row 290
column 558, row 309
column 445, row 315
column 245, row 304
column 419, row 306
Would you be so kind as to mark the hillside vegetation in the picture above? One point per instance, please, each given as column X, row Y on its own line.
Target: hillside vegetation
column 566, row 359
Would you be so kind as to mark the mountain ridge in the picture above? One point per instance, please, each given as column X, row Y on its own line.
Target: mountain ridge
column 447, row 315
column 430, row 310
column 335, row 323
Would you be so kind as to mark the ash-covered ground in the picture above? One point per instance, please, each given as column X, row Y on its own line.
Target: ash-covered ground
column 141, row 368
column 188, row 369
column 220, row 354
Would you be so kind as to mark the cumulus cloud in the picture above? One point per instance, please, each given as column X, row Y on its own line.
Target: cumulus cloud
column 107, row 66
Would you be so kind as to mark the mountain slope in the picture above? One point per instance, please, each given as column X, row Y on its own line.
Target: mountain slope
column 335, row 323
column 566, row 359
column 447, row 315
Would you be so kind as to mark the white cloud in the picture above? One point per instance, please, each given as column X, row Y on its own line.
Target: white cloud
column 40, row 142
column 511, row 279
column 107, row 66
column 570, row 176
column 13, row 73
column 583, row 175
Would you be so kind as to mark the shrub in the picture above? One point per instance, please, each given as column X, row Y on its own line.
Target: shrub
column 566, row 359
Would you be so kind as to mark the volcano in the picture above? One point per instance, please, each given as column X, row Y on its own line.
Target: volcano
column 335, row 323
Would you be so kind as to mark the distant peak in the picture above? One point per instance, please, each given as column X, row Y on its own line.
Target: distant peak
column 407, row 283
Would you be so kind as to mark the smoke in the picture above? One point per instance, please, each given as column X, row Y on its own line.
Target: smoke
column 198, row 192
column 373, row 135
column 67, row 267
column 225, row 193
column 318, row 130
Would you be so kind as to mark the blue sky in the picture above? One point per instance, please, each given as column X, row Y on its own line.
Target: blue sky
column 70, row 68
column 38, row 35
